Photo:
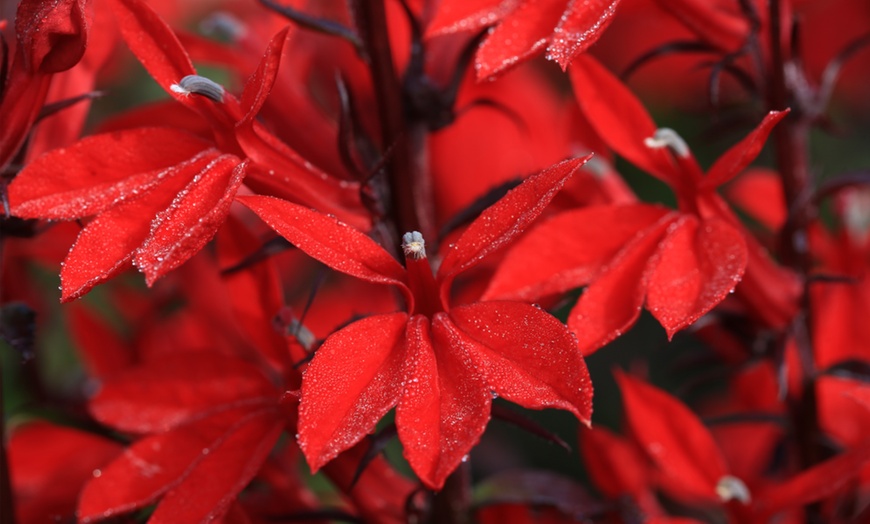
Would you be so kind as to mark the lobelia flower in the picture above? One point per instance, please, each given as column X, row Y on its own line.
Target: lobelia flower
column 160, row 194
column 439, row 365
column 681, row 263
column 524, row 28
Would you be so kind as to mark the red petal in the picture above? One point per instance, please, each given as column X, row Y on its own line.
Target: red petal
column 711, row 21
column 615, row 464
column 153, row 465
column 521, row 34
column 153, row 43
column 503, row 221
column 165, row 393
column 192, row 219
column 110, row 240
column 52, row 35
column 207, row 492
column 98, row 172
column 673, row 438
column 581, row 25
column 527, row 356
column 568, row 250
column 260, row 83
column 101, row 348
column 817, row 483
column 284, row 173
column 49, row 464
column 329, row 240
column 758, row 192
column 22, row 101
column 445, row 405
column 351, row 383
column 453, row 16
column 697, row 266
column 743, row 153
column 618, row 117
column 612, row 303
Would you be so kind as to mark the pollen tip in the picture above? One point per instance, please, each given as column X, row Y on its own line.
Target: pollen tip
column 413, row 245
column 730, row 487
column 200, row 85
column 666, row 137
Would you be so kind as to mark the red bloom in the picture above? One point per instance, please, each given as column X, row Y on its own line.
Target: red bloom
column 440, row 365
column 524, row 28
column 681, row 263
column 160, row 194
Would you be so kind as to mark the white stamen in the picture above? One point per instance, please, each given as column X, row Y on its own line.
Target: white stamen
column 200, row 85
column 413, row 245
column 667, row 137
column 732, row 488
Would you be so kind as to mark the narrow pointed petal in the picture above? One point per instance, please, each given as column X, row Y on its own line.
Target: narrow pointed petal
column 165, row 393
column 329, row 240
column 673, row 438
column 259, row 85
column 618, row 117
column 153, row 43
column 522, row 33
column 580, row 26
column 208, row 491
column 612, row 303
column 818, row 482
column 568, row 250
column 615, row 464
column 503, row 221
column 353, row 380
column 738, row 158
column 698, row 264
column 23, row 98
column 527, row 356
column 109, row 241
column 98, row 172
column 758, row 192
column 446, row 403
column 192, row 219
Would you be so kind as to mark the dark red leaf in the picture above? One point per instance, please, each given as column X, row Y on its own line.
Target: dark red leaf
column 698, row 264
column 353, row 380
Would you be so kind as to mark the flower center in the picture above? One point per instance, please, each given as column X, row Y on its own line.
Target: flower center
column 420, row 279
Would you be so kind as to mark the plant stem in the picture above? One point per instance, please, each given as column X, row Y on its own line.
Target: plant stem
column 791, row 138
column 452, row 505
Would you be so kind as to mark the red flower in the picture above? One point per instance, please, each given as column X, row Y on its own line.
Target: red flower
column 680, row 263
column 524, row 28
column 440, row 365
column 160, row 194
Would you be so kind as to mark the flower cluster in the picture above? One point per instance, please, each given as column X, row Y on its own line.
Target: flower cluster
column 367, row 227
